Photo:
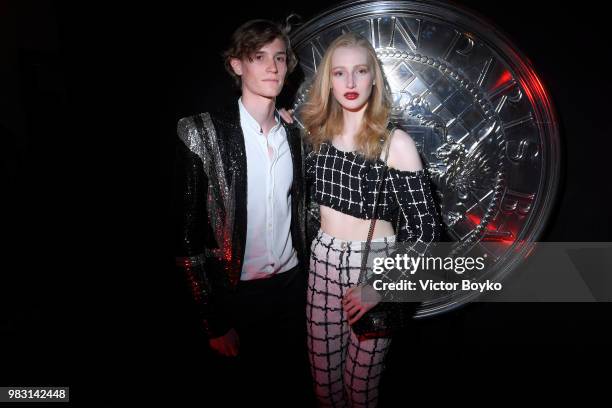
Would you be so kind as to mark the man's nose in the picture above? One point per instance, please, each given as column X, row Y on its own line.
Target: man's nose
column 272, row 66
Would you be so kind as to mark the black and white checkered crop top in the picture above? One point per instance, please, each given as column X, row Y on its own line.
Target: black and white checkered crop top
column 347, row 182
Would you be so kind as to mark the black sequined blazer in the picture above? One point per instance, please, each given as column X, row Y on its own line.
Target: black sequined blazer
column 211, row 208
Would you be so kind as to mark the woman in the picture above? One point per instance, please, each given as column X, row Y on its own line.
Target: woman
column 346, row 119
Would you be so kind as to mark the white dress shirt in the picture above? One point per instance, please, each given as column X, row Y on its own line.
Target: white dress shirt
column 269, row 248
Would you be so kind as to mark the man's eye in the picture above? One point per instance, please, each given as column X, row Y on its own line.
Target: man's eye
column 280, row 59
column 259, row 57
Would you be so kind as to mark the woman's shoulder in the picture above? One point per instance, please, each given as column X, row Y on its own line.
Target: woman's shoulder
column 403, row 153
column 401, row 141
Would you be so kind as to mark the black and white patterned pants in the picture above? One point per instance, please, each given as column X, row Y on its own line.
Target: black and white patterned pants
column 345, row 370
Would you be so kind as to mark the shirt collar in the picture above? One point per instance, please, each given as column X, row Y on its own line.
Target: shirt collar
column 247, row 120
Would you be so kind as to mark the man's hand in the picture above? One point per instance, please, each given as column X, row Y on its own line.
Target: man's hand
column 226, row 345
column 355, row 306
column 286, row 115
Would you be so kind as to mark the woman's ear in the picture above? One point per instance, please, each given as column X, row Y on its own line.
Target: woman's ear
column 236, row 65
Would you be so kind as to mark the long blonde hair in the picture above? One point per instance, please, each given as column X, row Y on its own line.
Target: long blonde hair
column 322, row 113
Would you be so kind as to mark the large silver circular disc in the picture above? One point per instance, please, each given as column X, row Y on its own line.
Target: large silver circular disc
column 478, row 112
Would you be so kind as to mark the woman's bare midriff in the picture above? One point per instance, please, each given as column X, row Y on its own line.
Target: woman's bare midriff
column 349, row 228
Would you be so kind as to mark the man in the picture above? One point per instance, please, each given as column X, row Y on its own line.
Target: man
column 241, row 218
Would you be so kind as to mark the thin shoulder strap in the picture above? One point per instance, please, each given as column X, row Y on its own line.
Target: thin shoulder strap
column 389, row 143
column 364, row 256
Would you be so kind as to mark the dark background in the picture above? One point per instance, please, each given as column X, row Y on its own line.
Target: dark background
column 90, row 95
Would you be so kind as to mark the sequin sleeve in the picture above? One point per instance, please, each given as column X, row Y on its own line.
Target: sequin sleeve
column 313, row 217
column 192, row 229
column 309, row 166
column 419, row 219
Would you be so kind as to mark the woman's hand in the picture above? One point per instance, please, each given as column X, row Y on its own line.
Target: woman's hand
column 354, row 304
column 286, row 114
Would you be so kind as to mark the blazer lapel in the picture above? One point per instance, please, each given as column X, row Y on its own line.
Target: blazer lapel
column 235, row 167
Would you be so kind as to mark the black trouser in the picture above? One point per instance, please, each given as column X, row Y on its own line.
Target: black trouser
column 269, row 316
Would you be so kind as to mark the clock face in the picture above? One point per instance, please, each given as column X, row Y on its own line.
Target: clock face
column 480, row 116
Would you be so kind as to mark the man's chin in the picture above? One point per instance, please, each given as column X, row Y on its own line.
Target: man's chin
column 266, row 93
column 270, row 94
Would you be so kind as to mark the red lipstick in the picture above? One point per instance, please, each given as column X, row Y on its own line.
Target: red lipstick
column 351, row 95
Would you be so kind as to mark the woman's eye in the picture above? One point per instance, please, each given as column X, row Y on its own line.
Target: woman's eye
column 338, row 73
column 363, row 71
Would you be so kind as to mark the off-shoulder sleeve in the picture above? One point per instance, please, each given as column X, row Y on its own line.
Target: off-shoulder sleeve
column 419, row 218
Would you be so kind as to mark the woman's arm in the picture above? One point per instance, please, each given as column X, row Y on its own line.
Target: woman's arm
column 419, row 219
